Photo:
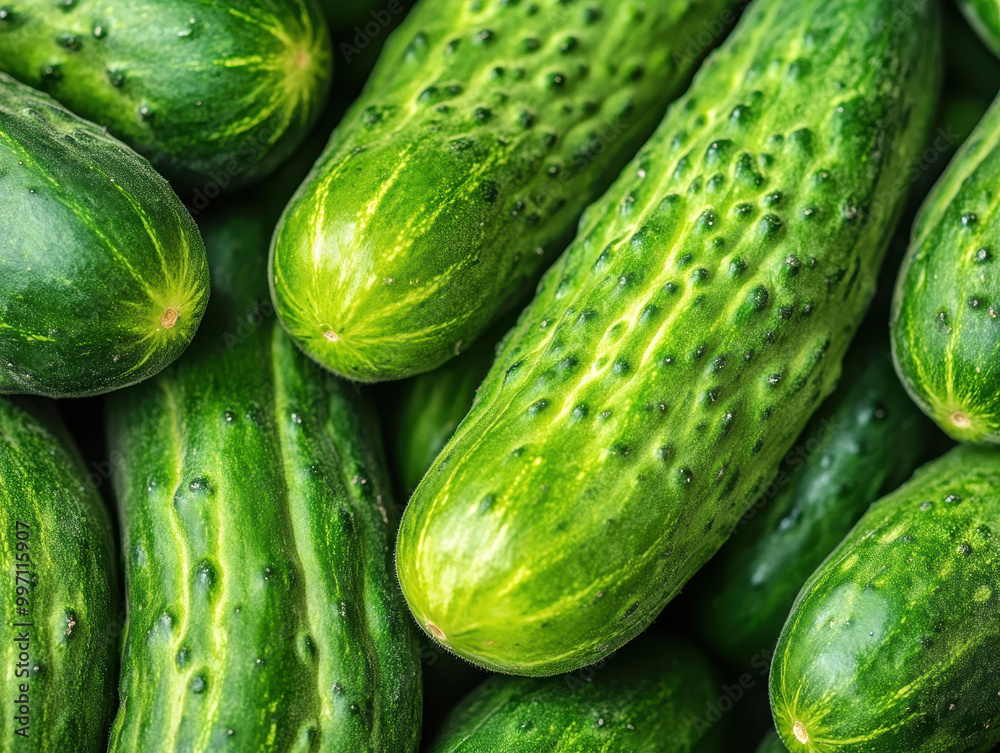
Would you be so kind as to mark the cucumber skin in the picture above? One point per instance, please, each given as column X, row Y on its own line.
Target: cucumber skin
column 430, row 211
column 651, row 698
column 96, row 249
column 864, row 442
column 947, row 364
column 254, row 506
column 234, row 112
column 73, row 604
column 591, row 520
column 918, row 571
column 984, row 17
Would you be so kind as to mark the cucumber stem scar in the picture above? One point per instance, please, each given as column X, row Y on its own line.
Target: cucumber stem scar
column 331, row 336
column 435, row 631
column 960, row 420
column 169, row 318
column 799, row 730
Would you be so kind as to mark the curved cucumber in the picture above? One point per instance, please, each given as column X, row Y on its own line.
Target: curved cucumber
column 892, row 644
column 103, row 276
column 984, row 15
column 679, row 346
column 485, row 130
column 215, row 94
column 59, row 604
column 651, row 698
column 264, row 615
column 864, row 442
column 945, row 325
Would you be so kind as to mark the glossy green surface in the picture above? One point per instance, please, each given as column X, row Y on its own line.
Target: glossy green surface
column 893, row 644
column 679, row 346
column 257, row 529
column 650, row 698
column 59, row 620
column 103, row 277
column 945, row 325
column 485, row 130
column 984, row 15
column 865, row 441
column 215, row 94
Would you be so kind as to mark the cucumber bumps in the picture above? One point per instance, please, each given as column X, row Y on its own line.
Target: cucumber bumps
column 215, row 94
column 946, row 310
column 486, row 128
column 680, row 345
column 103, row 275
column 59, row 605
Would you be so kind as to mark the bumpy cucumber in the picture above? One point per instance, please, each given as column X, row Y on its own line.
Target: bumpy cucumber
column 264, row 615
column 651, row 698
column 945, row 322
column 867, row 439
column 103, row 276
column 892, row 644
column 59, row 604
column 215, row 94
column 681, row 343
column 485, row 130
column 984, row 15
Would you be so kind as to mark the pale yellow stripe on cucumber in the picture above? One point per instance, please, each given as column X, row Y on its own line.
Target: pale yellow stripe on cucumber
column 220, row 636
column 173, row 417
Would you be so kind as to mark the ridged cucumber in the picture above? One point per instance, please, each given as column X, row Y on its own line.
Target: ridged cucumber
column 892, row 644
column 984, row 15
column 264, row 615
column 946, row 310
column 680, row 345
column 651, row 698
column 103, row 276
column 866, row 440
column 485, row 130
column 59, row 605
column 216, row 95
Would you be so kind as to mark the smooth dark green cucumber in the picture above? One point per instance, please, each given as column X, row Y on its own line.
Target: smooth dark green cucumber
column 984, row 15
column 650, row 698
column 59, row 607
column 103, row 276
column 215, row 94
column 680, row 345
column 258, row 528
column 946, row 309
column 484, row 131
column 894, row 644
column 866, row 440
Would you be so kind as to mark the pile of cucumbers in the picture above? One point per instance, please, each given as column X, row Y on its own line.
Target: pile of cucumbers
column 622, row 376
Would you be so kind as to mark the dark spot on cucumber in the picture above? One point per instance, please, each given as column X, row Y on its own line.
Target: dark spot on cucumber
column 743, row 210
column 489, row 192
column 70, row 42
column 183, row 657
column 6, row 16
column 199, row 683
column 969, row 219
column 537, row 407
column 758, row 298
column 668, row 361
column 976, row 302
column 452, row 46
column 581, row 411
column 952, row 499
column 484, row 36
column 717, row 182
column 774, row 379
column 706, row 221
column 204, row 575
column 52, row 74
column 621, row 449
column 665, row 453
column 483, row 114
column 621, row 367
column 699, row 352
column 685, row 476
column 773, row 199
column 700, row 275
column 486, row 504
column 737, row 267
column 671, row 288
column 965, row 549
column 982, row 256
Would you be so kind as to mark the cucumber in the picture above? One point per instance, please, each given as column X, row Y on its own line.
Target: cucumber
column 103, row 275
column 216, row 95
column 864, row 442
column 257, row 530
column 947, row 297
column 431, row 406
column 984, row 16
column 772, row 744
column 679, row 346
column 891, row 646
column 59, row 604
column 485, row 130
column 649, row 699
